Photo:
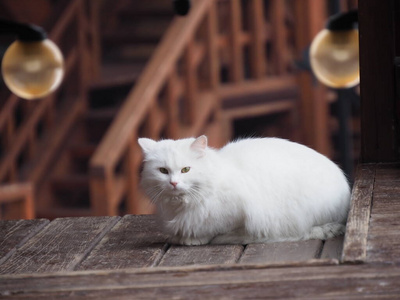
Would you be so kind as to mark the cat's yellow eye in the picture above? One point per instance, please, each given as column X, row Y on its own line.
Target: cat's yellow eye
column 164, row 170
column 185, row 170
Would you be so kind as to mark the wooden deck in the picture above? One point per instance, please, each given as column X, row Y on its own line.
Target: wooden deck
column 127, row 257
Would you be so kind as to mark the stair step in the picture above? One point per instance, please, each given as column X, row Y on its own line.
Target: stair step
column 147, row 12
column 116, row 82
column 95, row 129
column 117, row 74
column 144, row 30
column 137, row 53
column 80, row 155
column 97, row 121
column 82, row 151
column 153, row 5
column 101, row 114
column 61, row 212
column 71, row 191
column 146, row 8
column 70, row 182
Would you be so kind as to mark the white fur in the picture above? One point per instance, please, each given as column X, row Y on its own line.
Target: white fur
column 251, row 190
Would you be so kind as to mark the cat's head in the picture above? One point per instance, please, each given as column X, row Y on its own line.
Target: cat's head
column 173, row 169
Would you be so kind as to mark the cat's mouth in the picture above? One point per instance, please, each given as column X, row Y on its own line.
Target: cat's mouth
column 177, row 199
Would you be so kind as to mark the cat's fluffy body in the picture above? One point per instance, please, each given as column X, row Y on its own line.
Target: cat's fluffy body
column 251, row 190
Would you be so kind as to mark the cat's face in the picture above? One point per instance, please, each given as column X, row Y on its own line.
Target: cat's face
column 172, row 168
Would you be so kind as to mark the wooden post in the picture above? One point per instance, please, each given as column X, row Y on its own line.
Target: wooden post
column 310, row 19
column 379, row 122
column 18, row 198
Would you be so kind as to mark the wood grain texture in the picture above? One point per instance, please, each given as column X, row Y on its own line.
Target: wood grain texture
column 333, row 248
column 384, row 227
column 15, row 233
column 355, row 242
column 59, row 247
column 282, row 252
column 135, row 241
column 328, row 282
column 201, row 255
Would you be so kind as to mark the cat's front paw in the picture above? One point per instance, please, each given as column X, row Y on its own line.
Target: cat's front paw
column 189, row 241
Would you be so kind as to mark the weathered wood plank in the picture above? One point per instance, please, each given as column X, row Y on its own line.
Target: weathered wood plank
column 384, row 247
column 355, row 242
column 386, row 208
column 384, row 227
column 386, row 172
column 201, row 255
column 59, row 247
column 282, row 252
column 14, row 233
column 384, row 237
column 135, row 241
column 328, row 282
column 389, row 188
column 333, row 248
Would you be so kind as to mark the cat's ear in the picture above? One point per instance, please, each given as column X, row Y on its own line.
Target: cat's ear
column 146, row 144
column 199, row 145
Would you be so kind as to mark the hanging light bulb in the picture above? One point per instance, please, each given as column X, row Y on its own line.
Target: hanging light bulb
column 334, row 53
column 32, row 66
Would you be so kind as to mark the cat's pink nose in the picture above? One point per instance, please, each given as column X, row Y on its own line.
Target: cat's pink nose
column 173, row 183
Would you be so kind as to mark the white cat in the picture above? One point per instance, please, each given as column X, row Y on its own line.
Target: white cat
column 251, row 190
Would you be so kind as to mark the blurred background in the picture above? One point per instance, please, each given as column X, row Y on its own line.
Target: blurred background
column 228, row 69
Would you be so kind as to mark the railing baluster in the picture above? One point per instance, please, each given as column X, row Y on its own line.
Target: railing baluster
column 101, row 187
column 10, row 131
column 135, row 203
column 257, row 48
column 212, row 48
column 189, row 114
column 185, row 44
column 277, row 14
column 171, row 103
column 236, row 63
column 32, row 140
column 150, row 128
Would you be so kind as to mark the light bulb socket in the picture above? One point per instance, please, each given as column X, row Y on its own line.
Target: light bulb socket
column 24, row 32
column 343, row 21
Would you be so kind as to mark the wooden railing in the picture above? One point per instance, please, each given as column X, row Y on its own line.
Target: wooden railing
column 17, row 201
column 199, row 62
column 31, row 132
column 174, row 97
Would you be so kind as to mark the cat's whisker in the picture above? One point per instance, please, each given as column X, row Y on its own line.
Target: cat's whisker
column 155, row 193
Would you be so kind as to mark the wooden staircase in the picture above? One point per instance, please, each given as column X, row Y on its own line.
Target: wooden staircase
column 162, row 77
column 32, row 133
column 127, row 46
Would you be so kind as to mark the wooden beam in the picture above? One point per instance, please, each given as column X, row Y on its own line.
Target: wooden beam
column 355, row 242
column 244, row 282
